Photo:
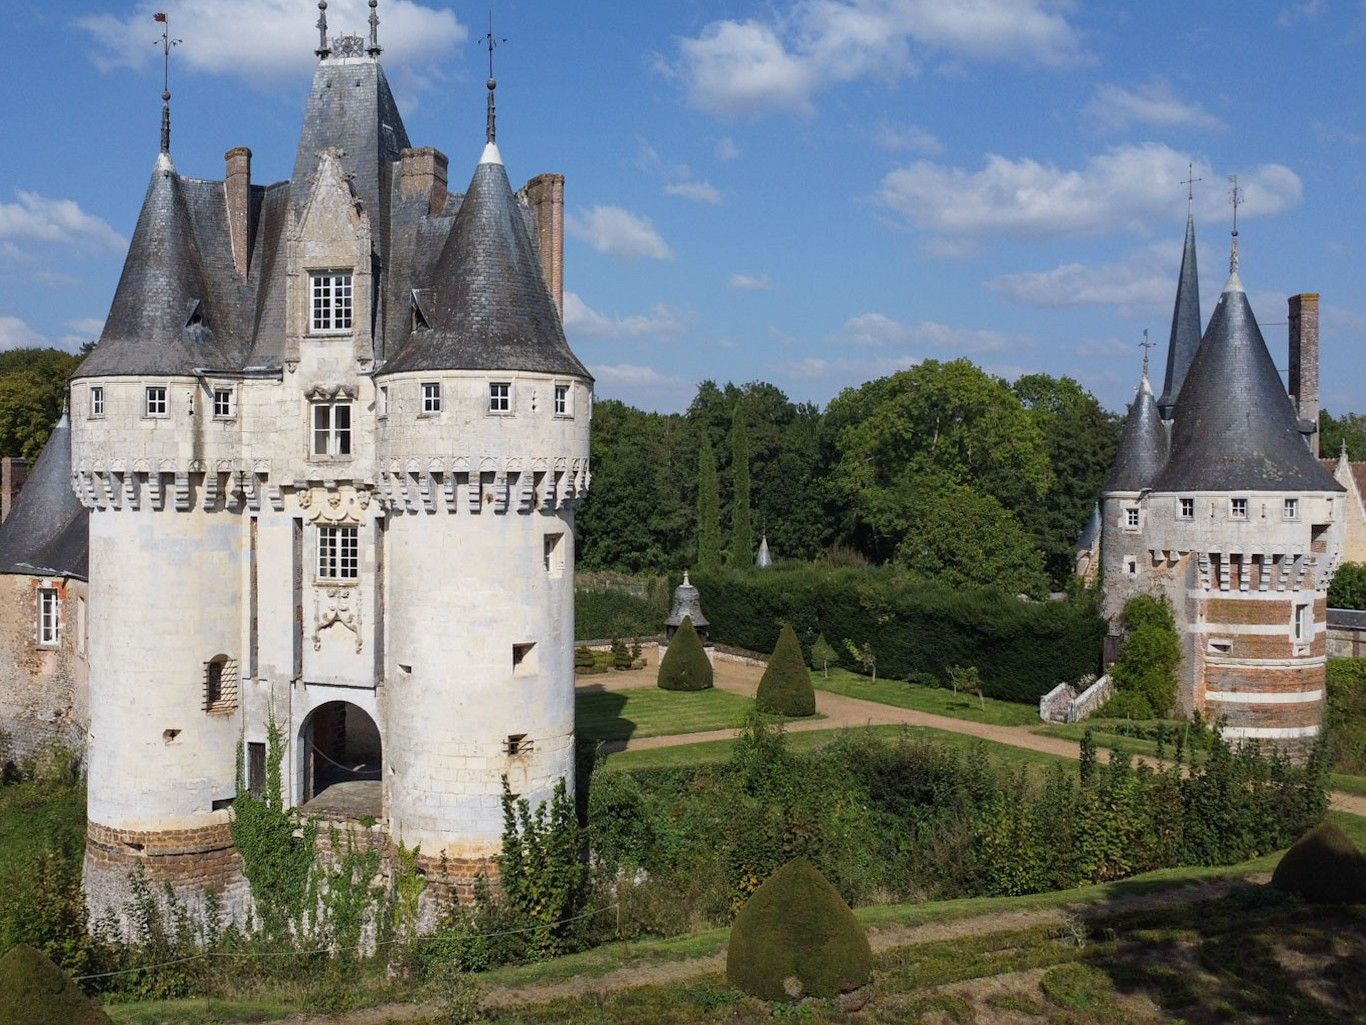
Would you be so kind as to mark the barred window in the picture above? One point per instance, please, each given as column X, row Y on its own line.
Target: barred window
column 220, row 685
column 331, row 301
column 338, row 553
column 49, row 617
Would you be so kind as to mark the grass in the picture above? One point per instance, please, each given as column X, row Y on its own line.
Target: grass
column 1348, row 784
column 935, row 700
column 712, row 751
column 651, row 712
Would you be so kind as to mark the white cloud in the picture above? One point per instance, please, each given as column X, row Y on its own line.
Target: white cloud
column 726, row 148
column 619, row 233
column 60, row 221
column 778, row 64
column 908, row 138
column 631, row 374
column 1297, row 13
column 1143, row 280
column 750, row 282
column 879, row 329
column 1110, row 349
column 255, row 39
column 698, row 191
column 1116, row 108
column 15, row 334
column 582, row 320
column 1126, row 187
column 816, row 368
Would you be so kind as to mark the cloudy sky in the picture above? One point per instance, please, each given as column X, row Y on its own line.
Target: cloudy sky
column 812, row 192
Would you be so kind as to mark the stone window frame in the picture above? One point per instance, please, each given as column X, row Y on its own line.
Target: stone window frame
column 337, row 554
column 430, row 391
column 49, row 594
column 1181, row 505
column 382, row 402
column 500, row 403
column 336, row 437
column 1237, row 508
column 563, row 400
column 1131, row 566
column 553, row 553
column 96, row 401
column 338, row 301
column 156, row 402
column 220, row 685
column 1290, row 509
column 1133, row 518
column 82, row 618
column 1302, row 623
column 226, row 409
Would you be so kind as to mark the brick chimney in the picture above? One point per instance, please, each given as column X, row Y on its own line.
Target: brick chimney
column 545, row 193
column 1304, row 363
column 422, row 172
column 237, row 192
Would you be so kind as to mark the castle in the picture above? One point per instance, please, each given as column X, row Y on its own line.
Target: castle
column 324, row 460
column 1218, row 501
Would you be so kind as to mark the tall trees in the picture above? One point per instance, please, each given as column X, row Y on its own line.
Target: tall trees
column 741, row 524
column 32, row 391
column 708, row 508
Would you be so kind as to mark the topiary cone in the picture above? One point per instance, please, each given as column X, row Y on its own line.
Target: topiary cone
column 785, row 688
column 796, row 937
column 685, row 665
column 1324, row 867
column 34, row 991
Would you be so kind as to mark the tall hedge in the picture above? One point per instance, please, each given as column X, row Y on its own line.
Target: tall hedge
column 1022, row 649
column 685, row 665
column 785, row 688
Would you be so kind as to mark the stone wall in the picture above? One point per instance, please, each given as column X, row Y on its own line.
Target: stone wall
column 43, row 689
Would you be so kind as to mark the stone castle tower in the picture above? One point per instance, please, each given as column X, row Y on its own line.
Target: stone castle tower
column 330, row 439
column 1216, row 500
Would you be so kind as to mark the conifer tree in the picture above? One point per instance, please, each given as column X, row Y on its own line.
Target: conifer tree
column 742, row 528
column 708, row 508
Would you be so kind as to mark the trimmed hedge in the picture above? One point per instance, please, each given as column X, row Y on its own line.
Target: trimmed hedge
column 604, row 607
column 785, row 688
column 1324, row 867
column 1022, row 649
column 796, row 937
column 1345, row 716
column 685, row 665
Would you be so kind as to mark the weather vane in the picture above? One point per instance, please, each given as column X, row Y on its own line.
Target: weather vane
column 166, row 43
column 1145, row 345
column 1235, row 195
column 1189, row 182
column 492, row 41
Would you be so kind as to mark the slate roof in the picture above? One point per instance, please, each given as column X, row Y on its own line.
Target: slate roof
column 1185, row 336
column 1087, row 539
column 1142, row 447
column 180, row 304
column 46, row 531
column 1234, row 426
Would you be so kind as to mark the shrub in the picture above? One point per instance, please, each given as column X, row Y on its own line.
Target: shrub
column 785, row 688
column 1348, row 589
column 1324, row 867
column 796, row 937
column 583, row 657
column 35, row 991
column 606, row 605
column 621, row 654
column 685, row 665
column 822, row 655
column 1145, row 672
column 1345, row 716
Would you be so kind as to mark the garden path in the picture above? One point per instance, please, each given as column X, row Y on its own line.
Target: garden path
column 840, row 712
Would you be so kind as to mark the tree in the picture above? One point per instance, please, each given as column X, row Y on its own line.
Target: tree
column 33, row 385
column 785, row 688
column 1348, row 589
column 742, row 527
column 1145, row 672
column 1334, row 430
column 822, row 654
column 708, row 508
column 685, row 665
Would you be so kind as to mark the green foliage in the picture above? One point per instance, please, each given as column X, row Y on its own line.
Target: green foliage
column 1345, row 715
column 1021, row 648
column 822, row 654
column 685, row 665
column 32, row 390
column 796, row 937
column 609, row 605
column 1335, row 430
column 1348, row 589
column 620, row 833
column 35, row 991
column 1324, row 867
column 785, row 688
column 708, row 508
column 1145, row 673
column 741, row 523
column 621, row 654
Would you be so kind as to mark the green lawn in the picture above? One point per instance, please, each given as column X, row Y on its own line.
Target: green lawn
column 651, row 712
column 936, row 700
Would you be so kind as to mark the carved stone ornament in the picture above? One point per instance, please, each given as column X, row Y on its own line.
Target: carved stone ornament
column 336, row 605
column 343, row 506
column 348, row 46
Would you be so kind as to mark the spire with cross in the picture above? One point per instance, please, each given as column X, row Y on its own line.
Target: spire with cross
column 374, row 48
column 1236, row 198
column 165, row 42
column 323, row 49
column 1145, row 345
column 492, row 41
column 1189, row 181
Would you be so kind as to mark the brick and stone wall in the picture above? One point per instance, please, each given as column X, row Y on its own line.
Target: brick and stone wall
column 43, row 688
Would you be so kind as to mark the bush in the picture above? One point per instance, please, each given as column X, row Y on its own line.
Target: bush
column 1348, row 589
column 823, row 655
column 35, row 991
column 685, row 665
column 785, row 688
column 1145, row 672
column 1324, row 867
column 1345, row 716
column 1022, row 648
column 621, row 654
column 796, row 937
column 606, row 605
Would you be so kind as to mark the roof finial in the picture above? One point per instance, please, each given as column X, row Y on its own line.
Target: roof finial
column 492, row 41
column 1145, row 345
column 166, row 43
column 374, row 48
column 1189, row 182
column 323, row 49
column 1236, row 198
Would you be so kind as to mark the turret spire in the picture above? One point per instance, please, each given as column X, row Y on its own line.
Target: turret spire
column 1235, row 283
column 1186, row 324
column 166, row 43
column 491, row 133
column 374, row 49
column 1142, row 447
column 323, row 49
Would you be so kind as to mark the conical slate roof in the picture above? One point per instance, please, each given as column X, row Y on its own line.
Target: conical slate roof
column 1185, row 336
column 1142, row 446
column 1091, row 531
column 491, row 309
column 1235, row 428
column 162, row 318
column 46, row 534
column 764, row 559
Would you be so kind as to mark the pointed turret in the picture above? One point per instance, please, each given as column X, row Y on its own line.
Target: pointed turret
column 491, row 309
column 160, row 321
column 1185, row 336
column 46, row 533
column 1235, row 428
column 763, row 560
column 1142, row 446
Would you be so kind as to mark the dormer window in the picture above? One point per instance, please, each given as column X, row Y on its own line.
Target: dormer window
column 97, row 401
column 1237, row 508
column 431, row 397
column 331, row 428
column 331, row 309
column 155, row 401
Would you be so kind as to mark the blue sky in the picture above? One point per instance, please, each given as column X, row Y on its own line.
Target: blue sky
column 812, row 192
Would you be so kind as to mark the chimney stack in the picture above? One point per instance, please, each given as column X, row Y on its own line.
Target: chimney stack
column 545, row 193
column 1304, row 363
column 237, row 192
column 422, row 172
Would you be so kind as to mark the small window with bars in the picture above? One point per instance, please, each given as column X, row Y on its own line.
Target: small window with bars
column 338, row 553
column 49, row 616
column 331, row 301
column 500, row 397
column 155, row 402
column 431, row 397
column 220, row 685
